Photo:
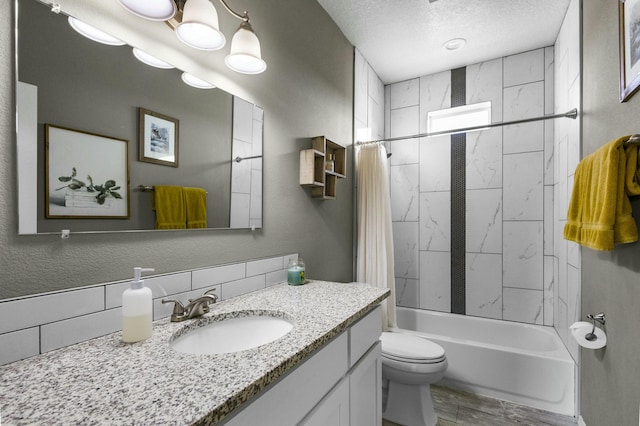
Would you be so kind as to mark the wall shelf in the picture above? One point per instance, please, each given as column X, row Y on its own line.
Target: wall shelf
column 313, row 172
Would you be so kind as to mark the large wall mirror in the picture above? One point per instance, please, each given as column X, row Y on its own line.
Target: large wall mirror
column 83, row 98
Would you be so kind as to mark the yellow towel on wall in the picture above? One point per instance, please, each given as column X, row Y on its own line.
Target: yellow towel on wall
column 168, row 202
column 599, row 213
column 195, row 200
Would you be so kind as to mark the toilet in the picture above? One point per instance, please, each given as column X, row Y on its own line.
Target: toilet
column 410, row 363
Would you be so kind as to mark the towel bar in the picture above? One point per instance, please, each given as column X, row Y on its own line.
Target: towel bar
column 633, row 139
column 149, row 188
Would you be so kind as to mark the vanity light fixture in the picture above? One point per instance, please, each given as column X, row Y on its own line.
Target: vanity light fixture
column 148, row 59
column 93, row 33
column 196, row 25
column 196, row 82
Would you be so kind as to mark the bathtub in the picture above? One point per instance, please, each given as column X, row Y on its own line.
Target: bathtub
column 521, row 363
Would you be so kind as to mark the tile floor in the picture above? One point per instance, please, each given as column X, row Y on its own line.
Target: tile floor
column 455, row 407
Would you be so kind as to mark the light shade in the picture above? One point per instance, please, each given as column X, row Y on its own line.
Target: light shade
column 151, row 60
column 245, row 56
column 196, row 82
column 93, row 33
column 155, row 10
column 199, row 27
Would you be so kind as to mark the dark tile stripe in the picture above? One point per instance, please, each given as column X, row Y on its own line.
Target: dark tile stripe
column 458, row 195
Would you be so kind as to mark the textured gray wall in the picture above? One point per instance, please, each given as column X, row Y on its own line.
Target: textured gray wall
column 306, row 91
column 610, row 281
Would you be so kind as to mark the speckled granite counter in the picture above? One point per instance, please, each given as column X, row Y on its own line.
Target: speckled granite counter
column 105, row 381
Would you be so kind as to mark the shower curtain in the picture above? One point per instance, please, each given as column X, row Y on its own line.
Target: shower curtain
column 375, row 235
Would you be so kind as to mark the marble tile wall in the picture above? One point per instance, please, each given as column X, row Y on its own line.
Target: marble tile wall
column 42, row 323
column 509, row 192
column 565, row 255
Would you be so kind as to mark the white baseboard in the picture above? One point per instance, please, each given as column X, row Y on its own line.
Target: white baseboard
column 581, row 421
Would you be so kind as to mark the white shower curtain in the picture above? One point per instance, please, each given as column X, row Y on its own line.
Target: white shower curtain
column 375, row 235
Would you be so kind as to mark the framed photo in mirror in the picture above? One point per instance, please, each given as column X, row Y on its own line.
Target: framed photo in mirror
column 629, row 27
column 87, row 175
column 158, row 138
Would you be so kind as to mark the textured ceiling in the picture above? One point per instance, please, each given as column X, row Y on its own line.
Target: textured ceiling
column 403, row 39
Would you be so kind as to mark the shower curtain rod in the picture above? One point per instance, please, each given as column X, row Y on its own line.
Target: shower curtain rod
column 569, row 114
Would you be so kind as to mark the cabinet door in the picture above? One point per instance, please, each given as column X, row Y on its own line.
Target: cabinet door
column 366, row 389
column 333, row 409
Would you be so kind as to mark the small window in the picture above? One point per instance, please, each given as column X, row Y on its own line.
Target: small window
column 459, row 117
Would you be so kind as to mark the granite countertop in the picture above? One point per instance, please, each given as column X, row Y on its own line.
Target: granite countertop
column 105, row 381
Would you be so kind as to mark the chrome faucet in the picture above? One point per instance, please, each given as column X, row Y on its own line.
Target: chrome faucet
column 196, row 307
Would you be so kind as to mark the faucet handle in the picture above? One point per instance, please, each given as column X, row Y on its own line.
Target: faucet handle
column 178, row 310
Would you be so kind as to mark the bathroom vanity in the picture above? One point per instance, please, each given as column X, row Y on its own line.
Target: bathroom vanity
column 326, row 370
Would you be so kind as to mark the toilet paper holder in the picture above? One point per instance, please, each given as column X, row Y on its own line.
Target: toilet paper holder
column 597, row 317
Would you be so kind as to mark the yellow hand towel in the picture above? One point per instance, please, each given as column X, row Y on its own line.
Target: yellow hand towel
column 168, row 202
column 599, row 213
column 632, row 184
column 195, row 200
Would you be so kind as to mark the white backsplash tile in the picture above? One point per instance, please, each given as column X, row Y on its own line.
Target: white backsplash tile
column 247, row 285
column 435, row 164
column 523, row 305
column 404, row 187
column 523, row 186
column 210, row 276
column 75, row 330
column 263, row 266
column 405, row 121
column 435, row 221
column 524, row 67
column 435, row 94
column 484, row 83
column 50, row 308
column 277, row 277
column 483, row 290
column 286, row 258
column 405, row 93
column 484, row 221
column 405, row 247
column 435, row 281
column 407, row 292
column 523, row 255
column 484, row 159
column 19, row 345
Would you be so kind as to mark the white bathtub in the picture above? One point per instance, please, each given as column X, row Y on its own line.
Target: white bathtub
column 522, row 363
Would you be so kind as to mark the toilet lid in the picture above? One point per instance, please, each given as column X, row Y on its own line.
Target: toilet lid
column 410, row 348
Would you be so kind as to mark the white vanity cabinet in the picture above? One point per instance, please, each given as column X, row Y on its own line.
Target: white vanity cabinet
column 339, row 385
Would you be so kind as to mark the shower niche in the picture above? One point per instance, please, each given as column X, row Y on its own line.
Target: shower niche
column 321, row 166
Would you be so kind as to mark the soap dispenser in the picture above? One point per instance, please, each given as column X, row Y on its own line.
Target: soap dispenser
column 137, row 309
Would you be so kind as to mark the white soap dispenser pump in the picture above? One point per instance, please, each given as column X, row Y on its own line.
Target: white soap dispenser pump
column 137, row 309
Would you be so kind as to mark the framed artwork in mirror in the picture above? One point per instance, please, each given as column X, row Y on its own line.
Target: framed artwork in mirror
column 87, row 175
column 629, row 27
column 158, row 138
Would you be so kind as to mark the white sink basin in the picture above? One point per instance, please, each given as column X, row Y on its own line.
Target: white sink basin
column 233, row 334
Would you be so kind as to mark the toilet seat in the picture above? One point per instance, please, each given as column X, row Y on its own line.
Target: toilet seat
column 410, row 348
column 412, row 354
